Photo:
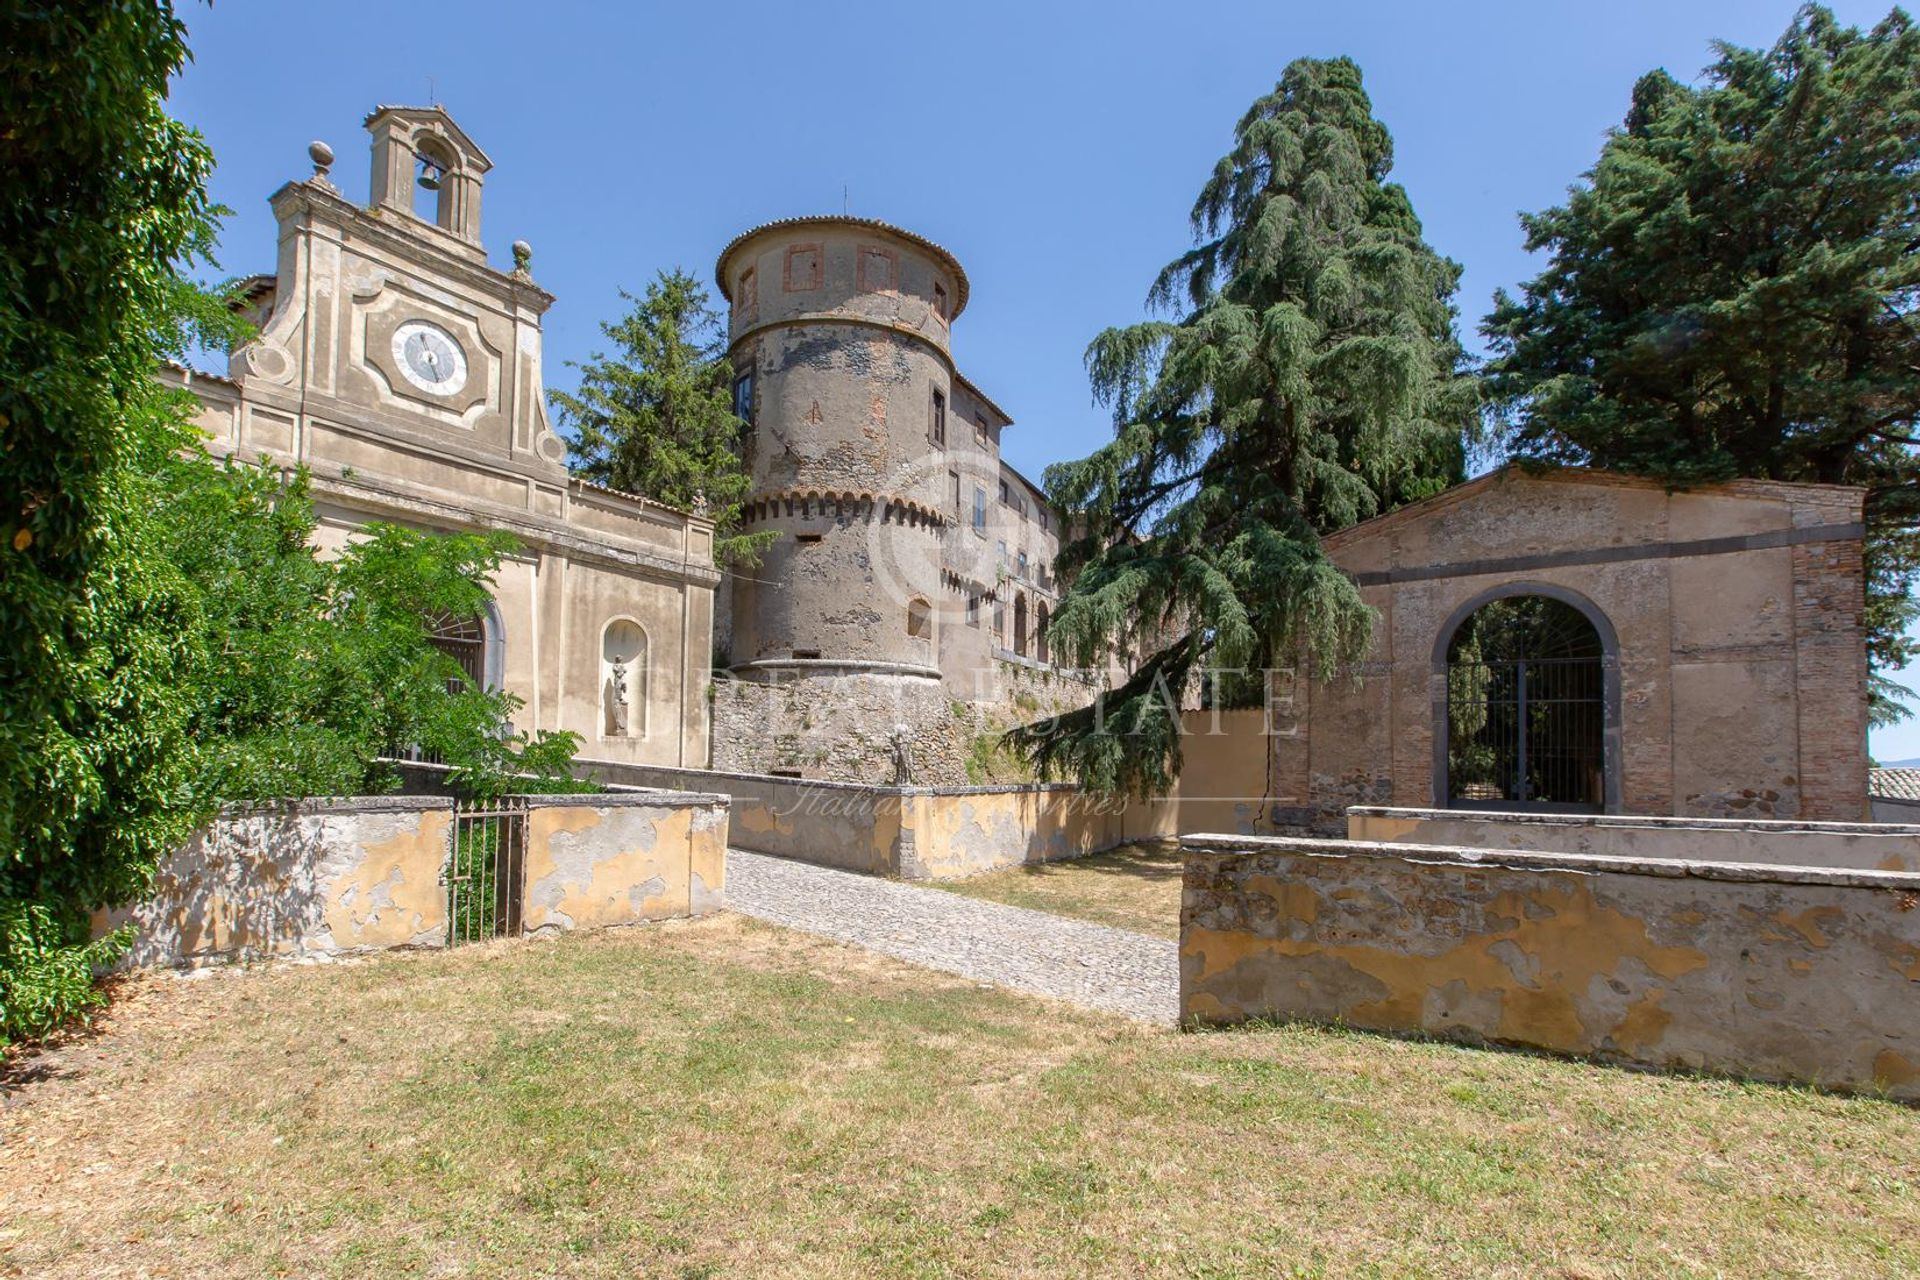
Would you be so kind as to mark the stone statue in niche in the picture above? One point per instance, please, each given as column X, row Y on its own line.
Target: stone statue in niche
column 619, row 706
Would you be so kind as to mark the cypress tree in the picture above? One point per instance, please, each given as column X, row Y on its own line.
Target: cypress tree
column 1307, row 375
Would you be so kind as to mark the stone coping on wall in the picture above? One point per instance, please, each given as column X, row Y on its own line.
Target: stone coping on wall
column 337, row 804
column 1530, row 860
column 874, row 788
column 1627, row 820
column 627, row 797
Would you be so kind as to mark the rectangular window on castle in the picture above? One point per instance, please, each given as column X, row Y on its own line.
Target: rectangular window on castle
column 749, row 296
column 980, row 429
column 1022, row 573
column 973, row 611
column 802, row 267
column 937, row 425
column 954, row 478
column 743, row 398
column 940, row 300
column 876, row 269
column 979, row 509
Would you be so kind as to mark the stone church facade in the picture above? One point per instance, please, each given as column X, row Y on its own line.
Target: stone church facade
column 403, row 369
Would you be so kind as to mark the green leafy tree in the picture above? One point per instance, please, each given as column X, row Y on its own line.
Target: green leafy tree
column 104, row 201
column 321, row 670
column 1731, row 291
column 656, row 417
column 1310, row 377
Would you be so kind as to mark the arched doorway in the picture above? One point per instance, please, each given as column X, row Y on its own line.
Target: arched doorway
column 1527, row 692
column 1020, row 624
column 1040, row 620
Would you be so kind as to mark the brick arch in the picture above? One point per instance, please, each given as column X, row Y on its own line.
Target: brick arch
column 1612, row 758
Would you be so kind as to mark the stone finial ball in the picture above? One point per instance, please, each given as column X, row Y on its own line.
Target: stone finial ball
column 320, row 153
column 522, row 254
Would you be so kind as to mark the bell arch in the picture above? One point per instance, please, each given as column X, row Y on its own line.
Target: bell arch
column 1526, row 703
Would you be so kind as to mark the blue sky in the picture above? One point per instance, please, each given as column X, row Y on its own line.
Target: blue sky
column 1054, row 147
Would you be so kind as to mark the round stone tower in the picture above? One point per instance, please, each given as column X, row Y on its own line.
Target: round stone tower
column 839, row 333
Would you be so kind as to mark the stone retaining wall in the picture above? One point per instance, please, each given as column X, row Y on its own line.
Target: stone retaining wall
column 1859, row 846
column 1776, row 973
column 339, row 876
column 912, row 832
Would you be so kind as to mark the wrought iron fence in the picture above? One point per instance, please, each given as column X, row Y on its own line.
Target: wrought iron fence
column 486, row 869
column 1529, row 732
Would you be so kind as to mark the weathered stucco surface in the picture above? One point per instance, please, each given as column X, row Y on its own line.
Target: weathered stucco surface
column 915, row 833
column 1858, row 846
column 316, row 877
column 1775, row 973
column 1738, row 612
column 600, row 860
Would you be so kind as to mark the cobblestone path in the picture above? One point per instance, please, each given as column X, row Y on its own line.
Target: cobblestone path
column 1092, row 965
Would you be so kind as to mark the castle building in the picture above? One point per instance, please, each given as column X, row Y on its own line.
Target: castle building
column 1567, row 641
column 403, row 370
column 910, row 546
column 914, row 567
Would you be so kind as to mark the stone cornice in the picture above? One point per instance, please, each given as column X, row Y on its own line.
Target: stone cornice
column 381, row 499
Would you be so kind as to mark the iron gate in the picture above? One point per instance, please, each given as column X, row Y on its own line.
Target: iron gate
column 486, row 869
column 1527, row 732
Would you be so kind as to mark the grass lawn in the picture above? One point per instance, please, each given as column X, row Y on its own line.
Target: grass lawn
column 1135, row 887
column 722, row 1098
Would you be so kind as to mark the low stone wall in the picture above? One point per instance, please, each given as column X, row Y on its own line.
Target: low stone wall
column 1776, row 973
column 600, row 860
column 1858, row 846
column 315, row 876
column 912, row 832
column 333, row 877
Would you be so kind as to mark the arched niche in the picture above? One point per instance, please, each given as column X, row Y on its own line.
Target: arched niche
column 1526, row 703
column 623, row 679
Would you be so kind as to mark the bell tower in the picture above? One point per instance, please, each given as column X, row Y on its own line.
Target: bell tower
column 421, row 149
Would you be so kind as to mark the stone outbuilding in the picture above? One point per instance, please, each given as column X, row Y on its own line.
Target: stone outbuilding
column 1589, row 642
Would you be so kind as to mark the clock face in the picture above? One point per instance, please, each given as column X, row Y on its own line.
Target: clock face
column 430, row 357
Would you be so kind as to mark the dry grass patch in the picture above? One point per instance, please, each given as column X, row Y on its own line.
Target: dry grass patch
column 1134, row 887
column 724, row 1098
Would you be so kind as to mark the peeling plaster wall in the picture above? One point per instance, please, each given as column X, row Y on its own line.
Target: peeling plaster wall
column 1777, row 973
column 916, row 833
column 1856, row 846
column 316, row 877
column 600, row 860
column 332, row 877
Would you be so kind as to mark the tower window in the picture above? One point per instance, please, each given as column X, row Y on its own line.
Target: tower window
column 937, row 427
column 979, row 509
column 876, row 269
column 940, row 300
column 954, row 476
column 802, row 267
column 919, row 619
column 980, row 429
column 1006, row 495
column 743, row 398
column 749, row 292
column 1022, row 570
column 973, row 611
